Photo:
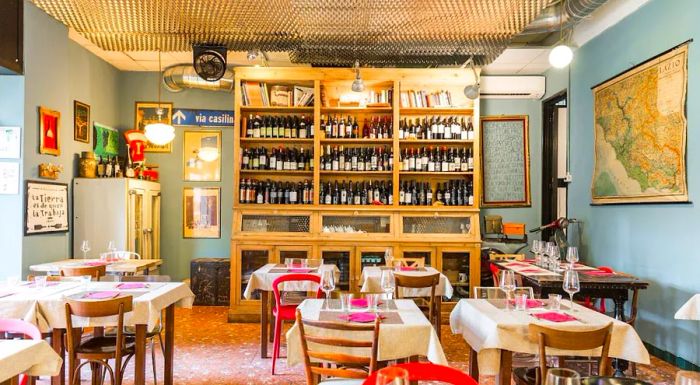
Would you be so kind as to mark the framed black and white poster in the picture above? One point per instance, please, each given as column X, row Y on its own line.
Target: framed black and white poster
column 45, row 208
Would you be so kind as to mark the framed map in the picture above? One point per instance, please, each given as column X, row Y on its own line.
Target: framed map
column 640, row 133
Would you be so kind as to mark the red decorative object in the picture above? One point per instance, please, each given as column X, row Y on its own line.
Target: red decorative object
column 16, row 326
column 49, row 134
column 136, row 140
column 425, row 371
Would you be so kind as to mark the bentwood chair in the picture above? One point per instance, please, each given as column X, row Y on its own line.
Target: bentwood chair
column 94, row 271
column 11, row 328
column 429, row 305
column 285, row 311
column 564, row 340
column 407, row 262
column 426, row 371
column 97, row 350
column 337, row 366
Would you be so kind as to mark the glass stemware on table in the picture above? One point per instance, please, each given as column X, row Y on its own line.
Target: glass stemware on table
column 508, row 284
column 327, row 285
column 537, row 250
column 572, row 256
column 388, row 284
column 85, row 247
column 562, row 376
column 571, row 285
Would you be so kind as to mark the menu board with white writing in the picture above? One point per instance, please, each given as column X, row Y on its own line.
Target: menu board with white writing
column 505, row 161
column 46, row 208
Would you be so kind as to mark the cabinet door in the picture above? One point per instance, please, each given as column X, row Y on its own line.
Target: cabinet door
column 340, row 256
column 367, row 256
column 152, row 232
column 284, row 252
column 249, row 258
column 459, row 265
column 136, row 221
column 427, row 253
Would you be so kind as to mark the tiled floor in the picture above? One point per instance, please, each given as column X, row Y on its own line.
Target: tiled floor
column 210, row 351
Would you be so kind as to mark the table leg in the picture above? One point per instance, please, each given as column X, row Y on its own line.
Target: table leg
column 169, row 345
column 140, row 356
column 473, row 364
column 619, row 365
column 264, row 298
column 57, row 344
column 438, row 318
column 504, row 372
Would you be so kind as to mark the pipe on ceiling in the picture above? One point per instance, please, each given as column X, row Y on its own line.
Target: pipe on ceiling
column 181, row 76
column 561, row 15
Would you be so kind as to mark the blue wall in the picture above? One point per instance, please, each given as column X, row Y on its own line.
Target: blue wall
column 654, row 242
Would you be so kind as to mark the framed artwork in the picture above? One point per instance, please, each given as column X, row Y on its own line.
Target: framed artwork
column 45, row 208
column 201, row 216
column 505, row 165
column 9, row 178
column 49, row 132
column 10, row 142
column 147, row 112
column 81, row 122
column 106, row 140
column 201, row 156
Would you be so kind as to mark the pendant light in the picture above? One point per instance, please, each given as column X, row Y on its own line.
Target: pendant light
column 561, row 55
column 471, row 91
column 159, row 133
column 358, row 85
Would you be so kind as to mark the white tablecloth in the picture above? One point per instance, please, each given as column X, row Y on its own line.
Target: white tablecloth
column 371, row 282
column 414, row 337
column 22, row 301
column 488, row 329
column 36, row 358
column 125, row 266
column 262, row 279
column 690, row 310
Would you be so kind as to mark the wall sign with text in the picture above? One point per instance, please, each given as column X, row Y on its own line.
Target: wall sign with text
column 46, row 208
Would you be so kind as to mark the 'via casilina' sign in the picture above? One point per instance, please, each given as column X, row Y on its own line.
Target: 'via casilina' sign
column 205, row 118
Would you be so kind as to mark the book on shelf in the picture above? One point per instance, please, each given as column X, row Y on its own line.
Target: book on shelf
column 303, row 96
column 258, row 94
column 423, row 99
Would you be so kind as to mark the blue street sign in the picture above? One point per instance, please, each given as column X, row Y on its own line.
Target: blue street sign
column 207, row 118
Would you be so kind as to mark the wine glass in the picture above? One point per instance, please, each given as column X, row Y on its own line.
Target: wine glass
column 571, row 285
column 85, row 247
column 388, row 283
column 562, row 376
column 685, row 377
column 572, row 255
column 507, row 284
column 327, row 285
column 112, row 246
column 392, row 375
column 554, row 257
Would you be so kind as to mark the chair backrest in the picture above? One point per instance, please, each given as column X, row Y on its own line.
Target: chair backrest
column 506, row 257
column 426, row 371
column 119, row 255
column 18, row 326
column 293, row 277
column 348, row 365
column 74, row 271
column 53, row 278
column 419, row 282
column 144, row 278
column 407, row 262
column 494, row 272
column 571, row 340
column 498, row 293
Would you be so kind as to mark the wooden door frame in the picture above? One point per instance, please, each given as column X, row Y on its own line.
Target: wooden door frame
column 550, row 150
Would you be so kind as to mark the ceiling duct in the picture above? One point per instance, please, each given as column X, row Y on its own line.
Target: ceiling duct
column 561, row 15
column 181, row 76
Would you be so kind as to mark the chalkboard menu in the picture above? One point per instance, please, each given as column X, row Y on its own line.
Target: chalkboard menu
column 505, row 161
column 46, row 208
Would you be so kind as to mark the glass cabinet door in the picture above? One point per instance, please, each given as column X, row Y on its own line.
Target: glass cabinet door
column 252, row 259
column 136, row 225
column 284, row 252
column 426, row 254
column 154, row 229
column 455, row 266
column 341, row 259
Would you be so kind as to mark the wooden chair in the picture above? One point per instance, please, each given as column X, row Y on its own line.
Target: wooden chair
column 342, row 365
column 75, row 271
column 564, row 340
column 407, row 262
column 430, row 305
column 97, row 350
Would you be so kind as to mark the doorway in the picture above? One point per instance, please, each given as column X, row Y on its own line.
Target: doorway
column 555, row 155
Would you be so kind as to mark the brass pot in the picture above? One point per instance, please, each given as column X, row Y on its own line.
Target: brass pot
column 87, row 166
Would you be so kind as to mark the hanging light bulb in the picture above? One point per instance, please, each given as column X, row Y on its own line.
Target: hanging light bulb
column 358, row 85
column 561, row 56
column 208, row 154
column 471, row 91
column 159, row 133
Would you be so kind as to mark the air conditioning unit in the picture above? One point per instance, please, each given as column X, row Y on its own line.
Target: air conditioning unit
column 512, row 87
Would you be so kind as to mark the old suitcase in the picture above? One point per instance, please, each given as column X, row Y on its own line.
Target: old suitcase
column 210, row 281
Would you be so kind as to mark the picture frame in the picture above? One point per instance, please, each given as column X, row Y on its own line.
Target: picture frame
column 201, row 212
column 10, row 142
column 201, row 156
column 49, row 132
column 106, row 140
column 505, row 163
column 81, row 122
column 145, row 113
column 45, row 207
column 9, row 178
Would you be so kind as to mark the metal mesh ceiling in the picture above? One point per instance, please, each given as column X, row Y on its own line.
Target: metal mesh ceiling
column 320, row 32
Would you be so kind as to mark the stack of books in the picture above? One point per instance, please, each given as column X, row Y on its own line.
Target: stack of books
column 257, row 94
column 423, row 99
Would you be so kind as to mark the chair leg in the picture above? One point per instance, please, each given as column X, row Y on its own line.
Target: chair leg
column 276, row 342
column 633, row 367
column 160, row 341
column 153, row 361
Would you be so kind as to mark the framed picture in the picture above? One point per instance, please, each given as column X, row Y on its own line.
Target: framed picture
column 505, row 166
column 9, row 178
column 147, row 112
column 201, row 216
column 81, row 122
column 49, row 132
column 10, row 142
column 106, row 140
column 201, row 156
column 45, row 208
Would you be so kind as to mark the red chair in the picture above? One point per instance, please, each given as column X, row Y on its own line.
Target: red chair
column 286, row 312
column 425, row 371
column 495, row 271
column 29, row 331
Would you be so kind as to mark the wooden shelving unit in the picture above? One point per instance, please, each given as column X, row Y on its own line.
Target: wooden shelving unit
column 447, row 236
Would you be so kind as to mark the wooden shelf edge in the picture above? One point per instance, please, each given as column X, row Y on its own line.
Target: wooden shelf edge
column 446, row 174
column 278, row 108
column 356, row 141
column 436, row 110
column 436, row 141
column 277, row 140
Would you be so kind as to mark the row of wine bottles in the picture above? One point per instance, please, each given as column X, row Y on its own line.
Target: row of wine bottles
column 339, row 158
column 273, row 192
column 357, row 193
column 379, row 127
column 280, row 159
column 289, row 127
column 451, row 193
column 437, row 128
column 440, row 159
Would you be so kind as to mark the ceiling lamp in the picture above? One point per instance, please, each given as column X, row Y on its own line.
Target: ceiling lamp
column 471, row 91
column 358, row 85
column 159, row 133
column 208, row 154
column 252, row 55
column 561, row 55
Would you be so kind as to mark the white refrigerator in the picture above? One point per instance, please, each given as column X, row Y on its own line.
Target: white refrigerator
column 123, row 210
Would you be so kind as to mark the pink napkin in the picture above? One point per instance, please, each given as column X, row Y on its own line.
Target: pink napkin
column 95, row 263
column 530, row 271
column 363, row 317
column 360, row 302
column 101, row 295
column 554, row 317
column 408, row 268
column 299, row 270
column 531, row 303
column 598, row 273
column 33, row 284
column 518, row 264
column 131, row 285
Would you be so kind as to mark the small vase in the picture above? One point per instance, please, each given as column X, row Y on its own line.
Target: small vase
column 87, row 166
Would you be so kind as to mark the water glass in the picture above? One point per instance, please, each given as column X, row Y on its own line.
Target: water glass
column 571, row 285
column 40, row 281
column 572, row 255
column 392, row 375
column 396, row 265
column 372, row 302
column 295, row 263
column 521, row 302
column 388, row 283
column 346, row 302
column 85, row 280
column 685, row 377
column 327, row 285
column 112, row 246
column 562, row 376
column 555, row 302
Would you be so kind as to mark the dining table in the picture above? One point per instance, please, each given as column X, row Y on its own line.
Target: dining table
column 404, row 333
column 261, row 280
column 119, row 267
column 32, row 357
column 44, row 306
column 494, row 332
column 371, row 281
